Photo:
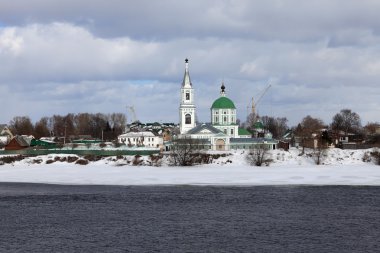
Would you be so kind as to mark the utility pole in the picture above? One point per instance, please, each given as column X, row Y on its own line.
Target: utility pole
column 64, row 139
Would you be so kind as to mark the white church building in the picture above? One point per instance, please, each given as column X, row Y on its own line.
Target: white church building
column 223, row 133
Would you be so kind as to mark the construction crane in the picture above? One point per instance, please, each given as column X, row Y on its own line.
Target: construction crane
column 253, row 105
column 133, row 113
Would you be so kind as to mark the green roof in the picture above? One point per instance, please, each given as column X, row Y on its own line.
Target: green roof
column 223, row 103
column 243, row 131
column 258, row 125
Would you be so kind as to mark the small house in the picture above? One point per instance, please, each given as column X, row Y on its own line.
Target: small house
column 19, row 142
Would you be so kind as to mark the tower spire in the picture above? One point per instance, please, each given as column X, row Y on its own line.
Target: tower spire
column 186, row 79
column 222, row 90
column 187, row 108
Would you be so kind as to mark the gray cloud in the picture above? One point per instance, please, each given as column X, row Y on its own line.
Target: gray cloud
column 291, row 20
column 72, row 56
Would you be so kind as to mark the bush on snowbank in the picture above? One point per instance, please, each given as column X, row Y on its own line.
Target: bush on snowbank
column 259, row 156
column 82, row 161
column 11, row 159
column 376, row 156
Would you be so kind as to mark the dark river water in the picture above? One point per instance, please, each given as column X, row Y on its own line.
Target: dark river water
column 52, row 218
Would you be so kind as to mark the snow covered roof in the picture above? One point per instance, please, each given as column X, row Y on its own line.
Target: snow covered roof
column 252, row 140
column 137, row 134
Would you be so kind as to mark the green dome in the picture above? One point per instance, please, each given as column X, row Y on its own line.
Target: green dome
column 258, row 125
column 223, row 103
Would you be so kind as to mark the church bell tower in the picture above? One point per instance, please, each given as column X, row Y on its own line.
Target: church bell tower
column 187, row 106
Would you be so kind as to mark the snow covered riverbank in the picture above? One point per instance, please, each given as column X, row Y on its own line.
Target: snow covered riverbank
column 341, row 167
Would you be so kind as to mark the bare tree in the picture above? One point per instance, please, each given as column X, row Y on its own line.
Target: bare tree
column 257, row 156
column 251, row 120
column 371, row 128
column 346, row 121
column 185, row 152
column 41, row 128
column 21, row 125
column 307, row 128
column 318, row 154
column 276, row 126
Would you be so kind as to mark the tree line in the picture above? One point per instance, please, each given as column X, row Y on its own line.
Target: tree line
column 98, row 125
column 345, row 121
column 109, row 126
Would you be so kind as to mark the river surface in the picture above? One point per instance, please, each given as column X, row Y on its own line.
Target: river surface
column 54, row 218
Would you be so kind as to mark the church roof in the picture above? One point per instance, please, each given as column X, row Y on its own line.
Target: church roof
column 199, row 128
column 243, row 131
column 252, row 140
column 223, row 103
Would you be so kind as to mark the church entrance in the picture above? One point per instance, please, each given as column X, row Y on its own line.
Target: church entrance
column 220, row 145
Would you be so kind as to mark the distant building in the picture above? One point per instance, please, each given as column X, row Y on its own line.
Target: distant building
column 5, row 135
column 141, row 139
column 19, row 142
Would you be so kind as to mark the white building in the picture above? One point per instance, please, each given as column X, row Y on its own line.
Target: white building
column 5, row 135
column 141, row 139
column 187, row 106
column 223, row 133
column 223, row 115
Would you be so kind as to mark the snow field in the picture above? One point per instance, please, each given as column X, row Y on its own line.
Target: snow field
column 340, row 167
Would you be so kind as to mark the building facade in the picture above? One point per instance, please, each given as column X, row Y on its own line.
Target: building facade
column 141, row 139
column 187, row 104
column 223, row 133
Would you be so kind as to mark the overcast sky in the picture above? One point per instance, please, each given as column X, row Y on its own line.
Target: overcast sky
column 59, row 57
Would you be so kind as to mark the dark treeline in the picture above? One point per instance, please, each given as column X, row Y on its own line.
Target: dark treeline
column 345, row 121
column 98, row 125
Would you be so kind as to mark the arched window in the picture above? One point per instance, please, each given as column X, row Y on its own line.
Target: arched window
column 187, row 96
column 187, row 119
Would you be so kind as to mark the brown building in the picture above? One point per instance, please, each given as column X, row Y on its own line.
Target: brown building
column 18, row 142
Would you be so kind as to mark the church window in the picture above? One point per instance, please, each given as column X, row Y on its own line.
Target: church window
column 225, row 131
column 225, row 112
column 187, row 119
column 216, row 119
column 187, row 96
column 225, row 119
column 232, row 131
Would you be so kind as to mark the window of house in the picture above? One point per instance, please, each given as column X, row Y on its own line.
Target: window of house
column 187, row 119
